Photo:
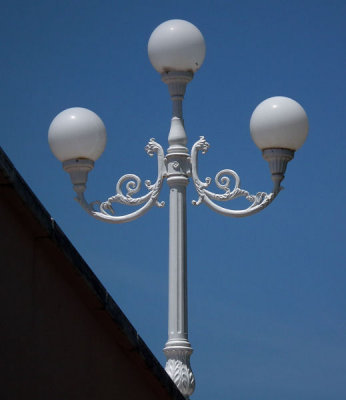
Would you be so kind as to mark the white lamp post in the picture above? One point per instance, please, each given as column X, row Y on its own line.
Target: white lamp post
column 77, row 137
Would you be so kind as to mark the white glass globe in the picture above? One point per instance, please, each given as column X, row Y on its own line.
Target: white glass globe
column 176, row 45
column 279, row 122
column 77, row 133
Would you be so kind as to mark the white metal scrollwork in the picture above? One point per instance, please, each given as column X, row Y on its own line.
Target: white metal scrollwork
column 222, row 180
column 132, row 185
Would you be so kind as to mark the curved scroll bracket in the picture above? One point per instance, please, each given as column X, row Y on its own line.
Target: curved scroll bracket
column 223, row 180
column 126, row 187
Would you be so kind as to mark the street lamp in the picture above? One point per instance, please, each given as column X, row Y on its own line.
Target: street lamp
column 77, row 137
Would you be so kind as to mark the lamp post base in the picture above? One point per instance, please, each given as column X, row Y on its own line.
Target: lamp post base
column 178, row 366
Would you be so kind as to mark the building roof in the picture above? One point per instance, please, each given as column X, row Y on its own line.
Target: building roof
column 14, row 183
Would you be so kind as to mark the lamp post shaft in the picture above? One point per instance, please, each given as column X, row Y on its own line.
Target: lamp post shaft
column 178, row 348
column 177, row 322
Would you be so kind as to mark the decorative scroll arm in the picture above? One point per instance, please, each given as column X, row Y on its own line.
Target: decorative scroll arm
column 126, row 187
column 223, row 179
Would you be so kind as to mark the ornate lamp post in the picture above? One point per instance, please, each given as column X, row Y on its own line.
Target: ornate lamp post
column 77, row 137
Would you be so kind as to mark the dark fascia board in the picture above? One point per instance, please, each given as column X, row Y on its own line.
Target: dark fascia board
column 27, row 196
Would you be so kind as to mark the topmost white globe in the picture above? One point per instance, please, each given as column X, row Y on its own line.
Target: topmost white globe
column 77, row 133
column 279, row 122
column 176, row 45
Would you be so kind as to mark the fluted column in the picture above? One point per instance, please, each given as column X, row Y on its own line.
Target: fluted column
column 178, row 348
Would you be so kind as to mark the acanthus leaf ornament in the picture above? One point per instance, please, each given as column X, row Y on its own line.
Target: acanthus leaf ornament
column 179, row 369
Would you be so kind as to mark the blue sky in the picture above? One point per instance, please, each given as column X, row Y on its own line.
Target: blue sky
column 267, row 299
